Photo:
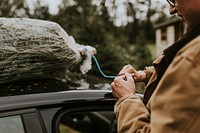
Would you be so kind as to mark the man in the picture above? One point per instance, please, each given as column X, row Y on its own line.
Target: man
column 171, row 100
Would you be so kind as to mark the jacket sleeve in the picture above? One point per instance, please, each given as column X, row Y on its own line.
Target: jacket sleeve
column 132, row 115
column 149, row 72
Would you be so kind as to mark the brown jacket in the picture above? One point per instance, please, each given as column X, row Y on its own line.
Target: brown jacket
column 174, row 107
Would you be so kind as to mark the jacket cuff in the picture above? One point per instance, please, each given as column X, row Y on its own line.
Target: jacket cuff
column 123, row 99
column 149, row 71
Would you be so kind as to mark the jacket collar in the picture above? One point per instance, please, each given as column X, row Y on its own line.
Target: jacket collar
column 171, row 51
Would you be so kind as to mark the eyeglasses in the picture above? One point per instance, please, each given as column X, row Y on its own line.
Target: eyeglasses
column 172, row 2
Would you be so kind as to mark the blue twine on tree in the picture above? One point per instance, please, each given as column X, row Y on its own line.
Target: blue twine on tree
column 98, row 66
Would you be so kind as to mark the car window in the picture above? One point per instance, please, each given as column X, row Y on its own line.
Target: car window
column 11, row 124
column 88, row 122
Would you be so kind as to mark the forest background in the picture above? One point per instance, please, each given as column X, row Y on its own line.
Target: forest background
column 96, row 23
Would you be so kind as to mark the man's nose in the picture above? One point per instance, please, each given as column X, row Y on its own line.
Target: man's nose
column 172, row 10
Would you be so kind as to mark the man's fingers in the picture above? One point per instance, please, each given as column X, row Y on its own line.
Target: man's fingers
column 127, row 68
column 128, row 77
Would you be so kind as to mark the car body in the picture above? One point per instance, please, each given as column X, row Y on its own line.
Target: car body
column 57, row 111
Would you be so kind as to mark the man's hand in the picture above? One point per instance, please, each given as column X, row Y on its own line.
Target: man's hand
column 139, row 76
column 123, row 86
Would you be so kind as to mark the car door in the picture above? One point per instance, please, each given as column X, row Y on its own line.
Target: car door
column 85, row 115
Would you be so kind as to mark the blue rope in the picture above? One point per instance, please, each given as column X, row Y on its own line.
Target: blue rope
column 98, row 66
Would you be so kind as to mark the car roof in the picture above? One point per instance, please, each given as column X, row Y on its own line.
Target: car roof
column 53, row 98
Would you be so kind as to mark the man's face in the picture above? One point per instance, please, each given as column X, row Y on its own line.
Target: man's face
column 188, row 11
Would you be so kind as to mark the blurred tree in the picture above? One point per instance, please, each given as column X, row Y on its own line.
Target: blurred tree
column 132, row 28
column 150, row 33
column 141, row 13
column 13, row 8
column 141, row 54
column 40, row 11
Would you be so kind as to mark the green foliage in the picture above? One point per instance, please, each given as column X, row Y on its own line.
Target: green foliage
column 141, row 55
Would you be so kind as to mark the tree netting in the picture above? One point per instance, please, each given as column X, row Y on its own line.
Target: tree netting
column 35, row 49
